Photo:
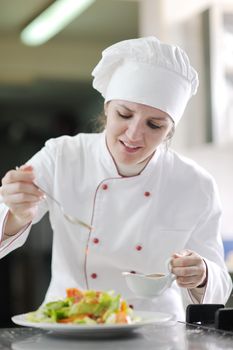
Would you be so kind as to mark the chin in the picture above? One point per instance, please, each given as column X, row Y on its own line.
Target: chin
column 127, row 161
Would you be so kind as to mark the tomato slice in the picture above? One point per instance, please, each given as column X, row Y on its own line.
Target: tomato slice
column 74, row 293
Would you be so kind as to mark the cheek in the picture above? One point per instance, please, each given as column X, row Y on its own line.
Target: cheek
column 155, row 138
column 154, row 141
column 113, row 128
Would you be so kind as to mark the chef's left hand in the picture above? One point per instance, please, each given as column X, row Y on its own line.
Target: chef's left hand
column 189, row 268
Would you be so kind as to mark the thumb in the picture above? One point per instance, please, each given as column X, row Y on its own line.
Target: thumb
column 25, row 167
column 184, row 252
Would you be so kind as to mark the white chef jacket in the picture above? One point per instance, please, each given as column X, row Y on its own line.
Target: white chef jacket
column 139, row 221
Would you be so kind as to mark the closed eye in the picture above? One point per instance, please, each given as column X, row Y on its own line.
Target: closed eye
column 153, row 126
column 124, row 116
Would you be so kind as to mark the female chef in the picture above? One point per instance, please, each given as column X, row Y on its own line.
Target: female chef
column 146, row 203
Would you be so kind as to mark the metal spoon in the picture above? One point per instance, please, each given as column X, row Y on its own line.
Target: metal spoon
column 72, row 219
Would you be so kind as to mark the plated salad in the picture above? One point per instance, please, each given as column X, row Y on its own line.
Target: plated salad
column 85, row 307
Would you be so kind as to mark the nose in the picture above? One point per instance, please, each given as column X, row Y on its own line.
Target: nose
column 134, row 130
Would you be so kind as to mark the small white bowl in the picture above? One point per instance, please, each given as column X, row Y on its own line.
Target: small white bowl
column 150, row 285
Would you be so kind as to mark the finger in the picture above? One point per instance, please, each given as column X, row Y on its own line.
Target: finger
column 27, row 212
column 21, row 192
column 187, row 285
column 189, row 280
column 182, row 253
column 21, row 187
column 25, row 167
column 176, row 259
column 20, row 209
column 21, row 198
column 18, row 175
column 185, row 261
column 196, row 279
column 186, row 271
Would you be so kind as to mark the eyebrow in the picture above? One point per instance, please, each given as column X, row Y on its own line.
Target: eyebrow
column 163, row 118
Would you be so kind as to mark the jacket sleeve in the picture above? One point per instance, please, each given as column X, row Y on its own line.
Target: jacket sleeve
column 206, row 240
column 15, row 241
column 43, row 163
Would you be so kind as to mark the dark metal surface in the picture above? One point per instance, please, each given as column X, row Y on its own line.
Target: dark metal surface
column 210, row 316
column 175, row 336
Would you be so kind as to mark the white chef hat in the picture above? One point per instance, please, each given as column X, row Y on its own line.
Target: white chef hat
column 147, row 71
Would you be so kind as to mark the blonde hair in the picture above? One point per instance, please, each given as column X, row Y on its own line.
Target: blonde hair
column 100, row 122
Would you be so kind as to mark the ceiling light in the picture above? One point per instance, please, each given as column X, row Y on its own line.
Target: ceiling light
column 51, row 21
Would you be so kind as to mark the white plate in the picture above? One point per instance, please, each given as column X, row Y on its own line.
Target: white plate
column 147, row 318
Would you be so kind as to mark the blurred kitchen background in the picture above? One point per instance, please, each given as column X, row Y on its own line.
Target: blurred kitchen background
column 46, row 91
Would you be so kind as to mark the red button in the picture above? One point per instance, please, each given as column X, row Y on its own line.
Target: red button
column 147, row 194
column 93, row 275
column 139, row 247
column 104, row 186
column 96, row 240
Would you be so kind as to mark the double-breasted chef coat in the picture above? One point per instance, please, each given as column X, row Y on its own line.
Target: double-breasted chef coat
column 138, row 221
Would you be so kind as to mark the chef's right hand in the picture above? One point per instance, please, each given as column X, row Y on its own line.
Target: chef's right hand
column 20, row 194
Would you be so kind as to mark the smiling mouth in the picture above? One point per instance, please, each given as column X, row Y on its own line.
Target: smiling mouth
column 130, row 148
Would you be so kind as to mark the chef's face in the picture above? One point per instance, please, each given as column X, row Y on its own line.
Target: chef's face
column 134, row 130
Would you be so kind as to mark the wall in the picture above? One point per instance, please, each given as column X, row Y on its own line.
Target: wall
column 196, row 26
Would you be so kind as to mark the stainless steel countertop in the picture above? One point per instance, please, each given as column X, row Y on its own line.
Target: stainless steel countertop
column 172, row 337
